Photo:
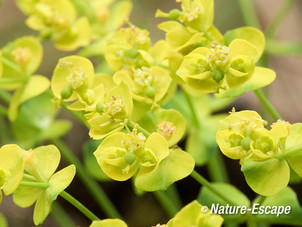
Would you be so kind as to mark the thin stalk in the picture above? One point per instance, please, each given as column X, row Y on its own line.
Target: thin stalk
column 269, row 107
column 60, row 216
column 248, row 12
column 193, row 112
column 167, row 204
column 35, row 184
column 77, row 115
column 217, row 169
column 279, row 18
column 283, row 48
column 200, row 179
column 79, row 206
column 96, row 191
column 28, row 177
column 174, row 196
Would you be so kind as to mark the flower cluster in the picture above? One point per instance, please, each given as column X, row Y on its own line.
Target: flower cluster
column 265, row 155
column 205, row 60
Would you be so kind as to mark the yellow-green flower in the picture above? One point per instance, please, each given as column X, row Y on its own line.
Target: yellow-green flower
column 121, row 155
column 146, row 84
column 57, row 19
column 72, row 77
column 41, row 164
column 128, row 48
column 192, row 215
column 219, row 67
column 111, row 112
column 234, row 133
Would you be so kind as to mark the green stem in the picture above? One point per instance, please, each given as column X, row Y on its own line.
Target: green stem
column 289, row 152
column 28, row 177
column 193, row 112
column 60, row 216
column 76, row 114
column 79, row 206
column 279, row 18
column 167, row 204
column 267, row 104
column 174, row 196
column 94, row 188
column 200, row 179
column 248, row 12
column 34, row 184
column 283, row 48
column 217, row 169
column 251, row 223
column 132, row 124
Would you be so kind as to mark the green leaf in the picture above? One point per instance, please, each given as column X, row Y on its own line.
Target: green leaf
column 261, row 78
column 267, row 177
column 293, row 140
column 207, row 197
column 108, row 223
column 168, row 171
column 197, row 146
column 287, row 197
column 56, row 130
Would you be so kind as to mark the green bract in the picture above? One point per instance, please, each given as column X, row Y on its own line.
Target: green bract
column 111, row 112
column 11, row 168
column 121, row 155
column 57, row 19
column 108, row 223
column 41, row 163
column 191, row 215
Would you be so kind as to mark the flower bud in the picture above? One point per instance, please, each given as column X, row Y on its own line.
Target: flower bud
column 174, row 14
column 66, row 92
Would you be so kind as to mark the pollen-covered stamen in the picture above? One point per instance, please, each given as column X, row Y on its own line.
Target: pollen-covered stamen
column 133, row 141
column 77, row 78
column 143, row 81
column 191, row 12
column 22, row 55
column 219, row 55
column 166, row 129
column 115, row 106
column 59, row 21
